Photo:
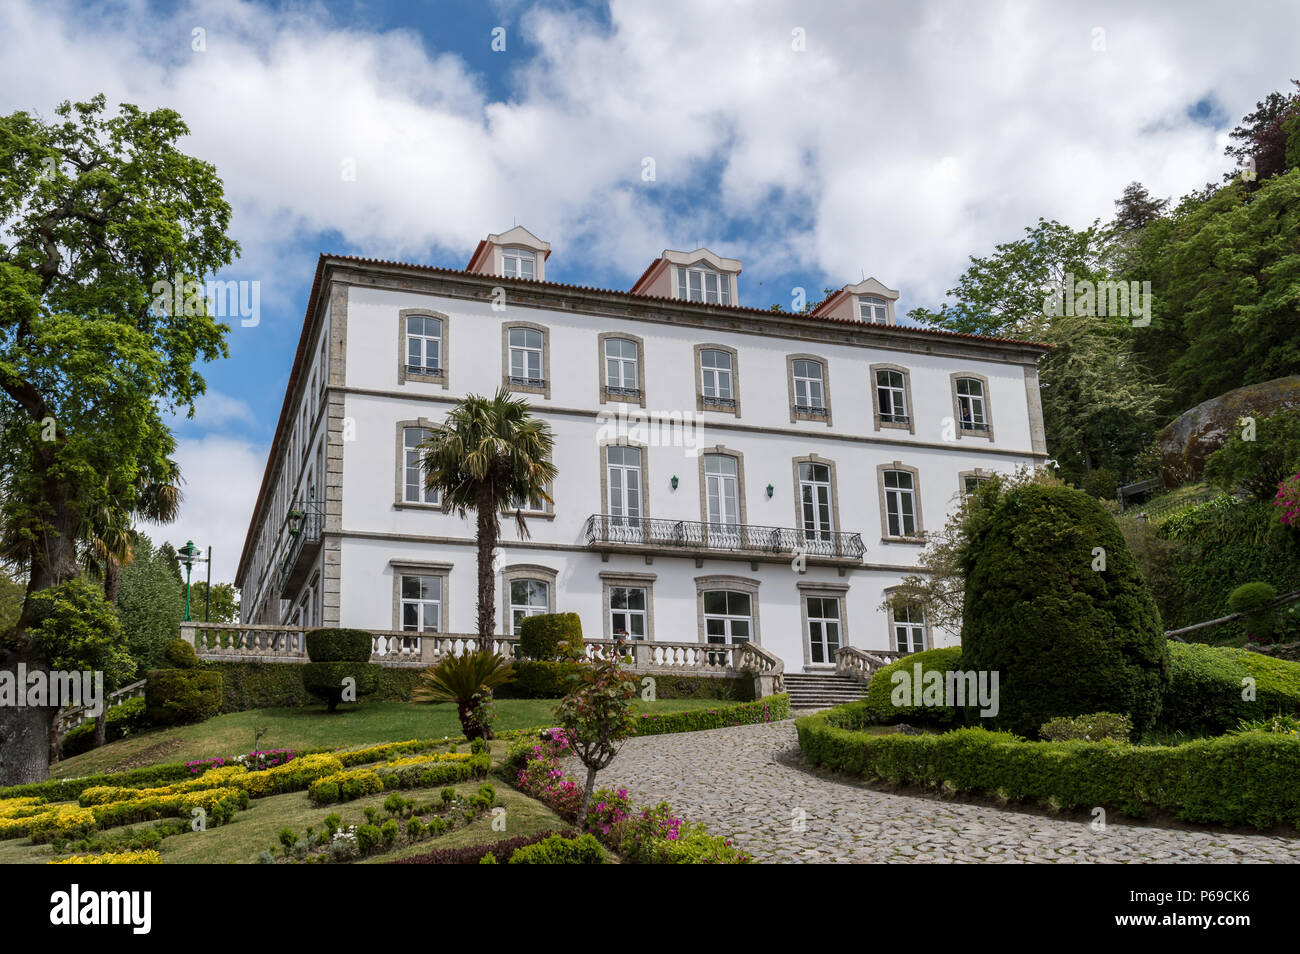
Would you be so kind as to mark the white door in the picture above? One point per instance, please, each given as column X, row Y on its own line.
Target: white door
column 624, row 479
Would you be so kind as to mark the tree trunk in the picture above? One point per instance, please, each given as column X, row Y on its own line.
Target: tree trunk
column 111, row 571
column 25, row 731
column 586, row 798
column 488, row 532
column 101, row 726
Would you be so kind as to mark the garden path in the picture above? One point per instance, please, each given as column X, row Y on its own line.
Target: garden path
column 748, row 783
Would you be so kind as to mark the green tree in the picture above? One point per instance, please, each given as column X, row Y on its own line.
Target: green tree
column 223, row 607
column 149, row 604
column 598, row 716
column 1257, row 456
column 488, row 455
column 1136, row 208
column 102, row 214
column 11, row 601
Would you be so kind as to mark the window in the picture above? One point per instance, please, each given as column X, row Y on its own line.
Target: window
column 518, row 263
column 621, row 367
column 971, row 411
column 528, row 598
column 815, row 501
column 909, row 629
column 526, row 357
column 969, row 483
column 728, row 616
column 873, row 310
column 809, row 388
column 423, row 345
column 823, row 613
column 716, row 378
column 627, row 612
column 703, row 284
column 421, row 603
column 722, row 491
column 891, row 397
column 623, row 484
column 535, row 505
column 413, row 488
column 900, row 503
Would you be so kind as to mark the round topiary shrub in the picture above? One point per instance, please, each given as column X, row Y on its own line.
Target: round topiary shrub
column 880, row 700
column 178, row 654
column 1253, row 599
column 329, row 681
column 540, row 637
column 339, row 645
column 1055, row 603
column 178, row 696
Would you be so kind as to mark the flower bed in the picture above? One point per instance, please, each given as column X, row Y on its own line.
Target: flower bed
column 649, row 835
column 1245, row 778
column 112, row 858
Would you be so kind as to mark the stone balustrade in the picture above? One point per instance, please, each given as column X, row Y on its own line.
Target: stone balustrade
column 74, row 716
column 239, row 642
column 861, row 664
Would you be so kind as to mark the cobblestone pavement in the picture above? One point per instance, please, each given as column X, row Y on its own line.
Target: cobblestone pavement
column 747, row 783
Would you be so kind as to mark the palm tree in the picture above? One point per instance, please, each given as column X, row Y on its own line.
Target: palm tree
column 465, row 680
column 490, row 455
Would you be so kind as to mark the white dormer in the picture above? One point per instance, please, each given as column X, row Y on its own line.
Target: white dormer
column 868, row 301
column 517, row 253
column 691, row 276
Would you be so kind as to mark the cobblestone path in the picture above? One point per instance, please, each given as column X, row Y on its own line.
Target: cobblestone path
column 747, row 783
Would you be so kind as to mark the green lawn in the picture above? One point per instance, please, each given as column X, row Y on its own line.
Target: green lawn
column 312, row 727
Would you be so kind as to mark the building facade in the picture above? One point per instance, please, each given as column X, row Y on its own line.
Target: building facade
column 725, row 474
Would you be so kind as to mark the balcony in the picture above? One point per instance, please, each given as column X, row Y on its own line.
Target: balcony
column 768, row 544
column 306, row 523
column 816, row 411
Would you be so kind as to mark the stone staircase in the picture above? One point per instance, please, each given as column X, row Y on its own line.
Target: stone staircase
column 816, row 691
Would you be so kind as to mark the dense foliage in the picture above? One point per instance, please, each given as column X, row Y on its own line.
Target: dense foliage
column 551, row 636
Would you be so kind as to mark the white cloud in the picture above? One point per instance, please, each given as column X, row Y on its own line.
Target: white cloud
column 222, row 476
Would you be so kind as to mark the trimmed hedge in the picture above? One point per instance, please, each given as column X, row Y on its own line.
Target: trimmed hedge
column 474, row 854
column 1236, row 779
column 727, row 689
column 540, row 636
column 539, row 679
column 558, row 850
column 771, row 709
column 1205, row 696
column 436, row 773
column 59, row 789
column 344, row 786
column 325, row 680
column 180, row 696
column 339, row 645
column 276, row 685
column 179, row 654
column 123, row 720
column 879, row 704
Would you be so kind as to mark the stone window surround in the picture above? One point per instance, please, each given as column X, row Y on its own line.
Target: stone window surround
column 606, row 397
column 545, row 390
column 813, row 458
column 910, row 426
column 738, row 584
column 645, row 474
column 979, row 472
column 956, row 376
column 885, row 536
column 836, row 591
column 399, row 492
column 790, row 359
column 548, row 507
column 644, row 581
column 706, row 404
column 525, row 571
column 892, row 643
column 402, row 568
column 443, row 376
column 723, row 451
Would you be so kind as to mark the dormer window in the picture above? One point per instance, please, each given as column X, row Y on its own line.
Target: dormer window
column 518, row 263
column 700, row 283
column 873, row 310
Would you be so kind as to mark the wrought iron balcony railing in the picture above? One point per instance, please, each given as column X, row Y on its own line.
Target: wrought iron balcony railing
column 426, row 370
column 693, row 535
column 306, row 524
column 810, row 410
column 975, row 427
column 517, row 381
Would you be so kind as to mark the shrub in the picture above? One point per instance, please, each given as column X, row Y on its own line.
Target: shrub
column 468, row 681
column 1253, row 599
column 880, row 708
column 536, row 679
column 474, row 854
column 540, row 637
column 772, row 709
column 1230, row 780
column 1096, row 727
column 368, row 838
column 1205, row 695
column 111, row 858
column 558, row 850
column 1064, row 637
column 180, row 696
column 123, row 720
column 345, row 786
column 178, row 654
column 1258, row 465
column 339, row 645
column 1101, row 483
column 435, row 773
column 327, row 680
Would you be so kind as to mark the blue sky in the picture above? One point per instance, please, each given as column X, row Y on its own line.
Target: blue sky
column 816, row 143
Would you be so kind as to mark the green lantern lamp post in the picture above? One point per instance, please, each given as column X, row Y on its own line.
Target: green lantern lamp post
column 189, row 555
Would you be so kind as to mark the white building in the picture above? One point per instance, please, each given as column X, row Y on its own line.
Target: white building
column 837, row 433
